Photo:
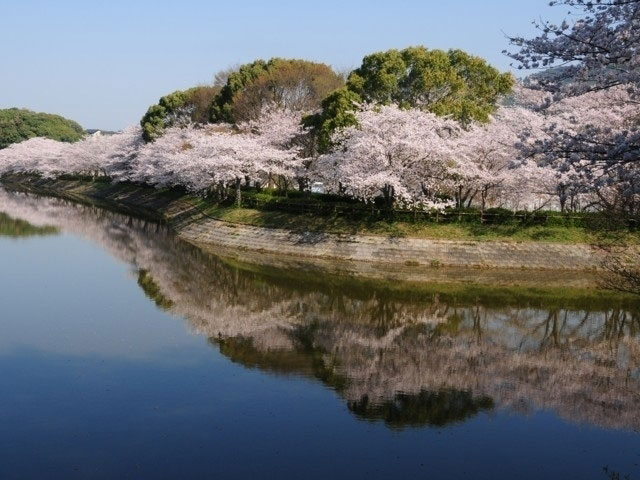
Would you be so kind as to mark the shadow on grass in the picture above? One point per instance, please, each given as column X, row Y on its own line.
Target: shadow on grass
column 491, row 231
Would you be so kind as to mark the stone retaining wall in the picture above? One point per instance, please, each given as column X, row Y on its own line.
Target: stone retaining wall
column 406, row 251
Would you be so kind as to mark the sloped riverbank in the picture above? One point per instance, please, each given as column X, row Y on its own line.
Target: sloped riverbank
column 415, row 259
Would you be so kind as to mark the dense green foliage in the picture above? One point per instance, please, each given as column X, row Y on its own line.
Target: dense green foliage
column 338, row 112
column 451, row 83
column 445, row 83
column 296, row 84
column 17, row 125
column 181, row 106
column 221, row 110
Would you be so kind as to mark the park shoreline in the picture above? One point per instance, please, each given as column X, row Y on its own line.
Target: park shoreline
column 418, row 259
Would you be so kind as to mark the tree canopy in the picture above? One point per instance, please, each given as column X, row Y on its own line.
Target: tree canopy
column 298, row 85
column 17, row 125
column 181, row 106
column 451, row 83
column 240, row 94
column 597, row 51
column 594, row 74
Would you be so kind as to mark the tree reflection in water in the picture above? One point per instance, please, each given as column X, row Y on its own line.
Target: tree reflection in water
column 424, row 408
column 17, row 228
column 408, row 356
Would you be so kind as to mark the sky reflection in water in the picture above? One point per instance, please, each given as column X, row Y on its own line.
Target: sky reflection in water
column 124, row 351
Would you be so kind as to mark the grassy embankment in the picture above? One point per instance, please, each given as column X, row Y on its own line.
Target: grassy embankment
column 319, row 213
column 327, row 213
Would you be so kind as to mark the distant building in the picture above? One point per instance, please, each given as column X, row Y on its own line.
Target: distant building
column 95, row 131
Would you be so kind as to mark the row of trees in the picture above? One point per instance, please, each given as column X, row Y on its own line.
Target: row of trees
column 240, row 95
column 407, row 157
column 413, row 128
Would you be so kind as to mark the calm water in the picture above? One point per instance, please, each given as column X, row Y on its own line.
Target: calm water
column 125, row 353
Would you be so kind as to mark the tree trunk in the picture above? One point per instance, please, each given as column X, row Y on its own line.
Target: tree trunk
column 238, row 192
column 388, row 193
column 562, row 197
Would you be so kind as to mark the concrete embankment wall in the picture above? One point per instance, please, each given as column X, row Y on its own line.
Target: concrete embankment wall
column 406, row 251
column 192, row 225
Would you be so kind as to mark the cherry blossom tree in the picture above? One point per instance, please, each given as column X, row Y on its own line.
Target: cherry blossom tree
column 596, row 51
column 596, row 135
column 217, row 157
column 198, row 159
column 403, row 156
column 105, row 155
column 486, row 158
column 37, row 155
column 415, row 159
column 597, row 60
column 281, row 128
column 96, row 155
column 577, row 142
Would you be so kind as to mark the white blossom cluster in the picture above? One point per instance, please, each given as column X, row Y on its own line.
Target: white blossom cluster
column 189, row 157
column 592, row 76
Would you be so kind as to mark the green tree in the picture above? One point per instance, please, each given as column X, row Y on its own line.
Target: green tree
column 17, row 125
column 296, row 84
column 337, row 112
column 450, row 83
column 179, row 107
column 221, row 108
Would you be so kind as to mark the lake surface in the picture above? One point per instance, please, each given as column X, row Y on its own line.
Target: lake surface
column 127, row 353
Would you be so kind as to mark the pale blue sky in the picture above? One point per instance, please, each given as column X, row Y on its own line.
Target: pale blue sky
column 102, row 63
